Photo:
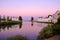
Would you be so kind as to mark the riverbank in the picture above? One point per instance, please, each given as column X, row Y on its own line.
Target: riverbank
column 17, row 37
column 10, row 22
column 56, row 37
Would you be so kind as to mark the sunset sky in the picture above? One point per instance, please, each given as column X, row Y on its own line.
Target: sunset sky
column 29, row 7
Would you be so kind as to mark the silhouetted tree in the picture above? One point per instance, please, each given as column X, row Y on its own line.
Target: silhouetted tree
column 58, row 20
column 8, row 18
column 20, row 18
column 0, row 18
column 32, row 18
column 11, row 18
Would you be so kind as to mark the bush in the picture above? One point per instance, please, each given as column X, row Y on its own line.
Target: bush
column 17, row 37
column 45, row 33
column 58, row 21
column 56, row 28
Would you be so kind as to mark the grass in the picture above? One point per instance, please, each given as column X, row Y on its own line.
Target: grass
column 17, row 37
column 45, row 33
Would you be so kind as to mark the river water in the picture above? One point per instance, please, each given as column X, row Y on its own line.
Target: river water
column 29, row 29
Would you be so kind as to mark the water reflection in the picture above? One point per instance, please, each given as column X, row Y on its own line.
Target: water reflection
column 0, row 29
column 9, row 26
column 31, row 23
column 20, row 25
column 3, row 27
column 28, row 29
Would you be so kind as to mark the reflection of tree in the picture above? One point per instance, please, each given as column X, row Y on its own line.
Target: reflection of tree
column 5, row 26
column 0, row 28
column 20, row 25
column 9, row 26
column 31, row 23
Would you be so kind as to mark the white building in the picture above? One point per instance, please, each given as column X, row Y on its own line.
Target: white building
column 15, row 19
column 55, row 16
column 51, row 18
column 6, row 18
column 46, row 19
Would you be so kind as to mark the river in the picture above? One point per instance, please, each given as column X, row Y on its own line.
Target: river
column 29, row 29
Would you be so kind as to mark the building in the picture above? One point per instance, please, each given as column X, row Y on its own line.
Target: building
column 56, row 16
column 8, row 18
column 15, row 19
column 45, row 19
column 51, row 18
column 3, row 18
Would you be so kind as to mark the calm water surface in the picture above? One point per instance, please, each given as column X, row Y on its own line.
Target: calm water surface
column 28, row 29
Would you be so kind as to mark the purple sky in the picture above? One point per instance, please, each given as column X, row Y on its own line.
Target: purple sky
column 29, row 7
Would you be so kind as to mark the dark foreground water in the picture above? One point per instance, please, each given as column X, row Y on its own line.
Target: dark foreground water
column 28, row 29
